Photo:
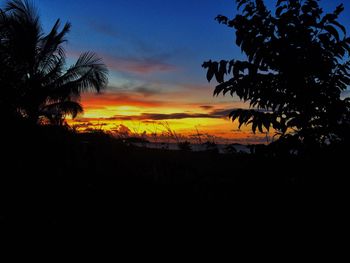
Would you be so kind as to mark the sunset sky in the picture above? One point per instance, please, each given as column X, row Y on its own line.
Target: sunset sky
column 154, row 50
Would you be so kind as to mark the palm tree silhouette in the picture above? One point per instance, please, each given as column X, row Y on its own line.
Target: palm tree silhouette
column 36, row 84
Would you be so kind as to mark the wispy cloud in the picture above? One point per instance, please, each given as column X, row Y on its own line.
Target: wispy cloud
column 147, row 90
column 137, row 65
column 142, row 65
column 221, row 113
column 216, row 114
column 206, row 107
column 103, row 28
column 160, row 116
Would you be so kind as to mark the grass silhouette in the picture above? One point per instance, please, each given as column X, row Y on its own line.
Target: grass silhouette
column 50, row 172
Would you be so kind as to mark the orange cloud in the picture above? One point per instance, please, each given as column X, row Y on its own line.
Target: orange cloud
column 90, row 100
column 215, row 114
column 146, row 108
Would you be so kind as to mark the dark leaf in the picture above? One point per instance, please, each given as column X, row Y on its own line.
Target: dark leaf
column 280, row 9
column 222, row 19
column 231, row 64
column 339, row 9
column 241, row 2
column 332, row 31
column 280, row 1
column 339, row 25
column 266, row 122
column 210, row 74
column 254, row 126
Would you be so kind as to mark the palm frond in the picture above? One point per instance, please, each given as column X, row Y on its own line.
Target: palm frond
column 52, row 71
column 23, row 9
column 64, row 108
column 88, row 73
column 23, row 32
column 33, row 65
column 50, row 45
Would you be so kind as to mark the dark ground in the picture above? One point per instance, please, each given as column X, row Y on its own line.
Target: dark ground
column 57, row 178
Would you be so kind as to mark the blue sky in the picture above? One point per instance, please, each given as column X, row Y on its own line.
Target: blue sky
column 154, row 50
column 181, row 33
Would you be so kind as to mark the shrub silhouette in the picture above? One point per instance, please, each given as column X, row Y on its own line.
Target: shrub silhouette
column 36, row 84
column 296, row 70
column 184, row 146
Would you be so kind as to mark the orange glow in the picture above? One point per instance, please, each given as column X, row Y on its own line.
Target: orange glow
column 136, row 115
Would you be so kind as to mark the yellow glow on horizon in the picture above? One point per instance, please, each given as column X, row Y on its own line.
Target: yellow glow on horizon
column 220, row 129
column 127, row 110
column 148, row 118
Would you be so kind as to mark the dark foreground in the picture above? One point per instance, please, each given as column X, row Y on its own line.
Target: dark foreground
column 58, row 178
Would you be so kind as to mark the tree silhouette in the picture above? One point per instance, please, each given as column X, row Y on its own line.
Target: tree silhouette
column 35, row 82
column 295, row 72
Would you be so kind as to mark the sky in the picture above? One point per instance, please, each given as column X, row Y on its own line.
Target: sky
column 154, row 50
